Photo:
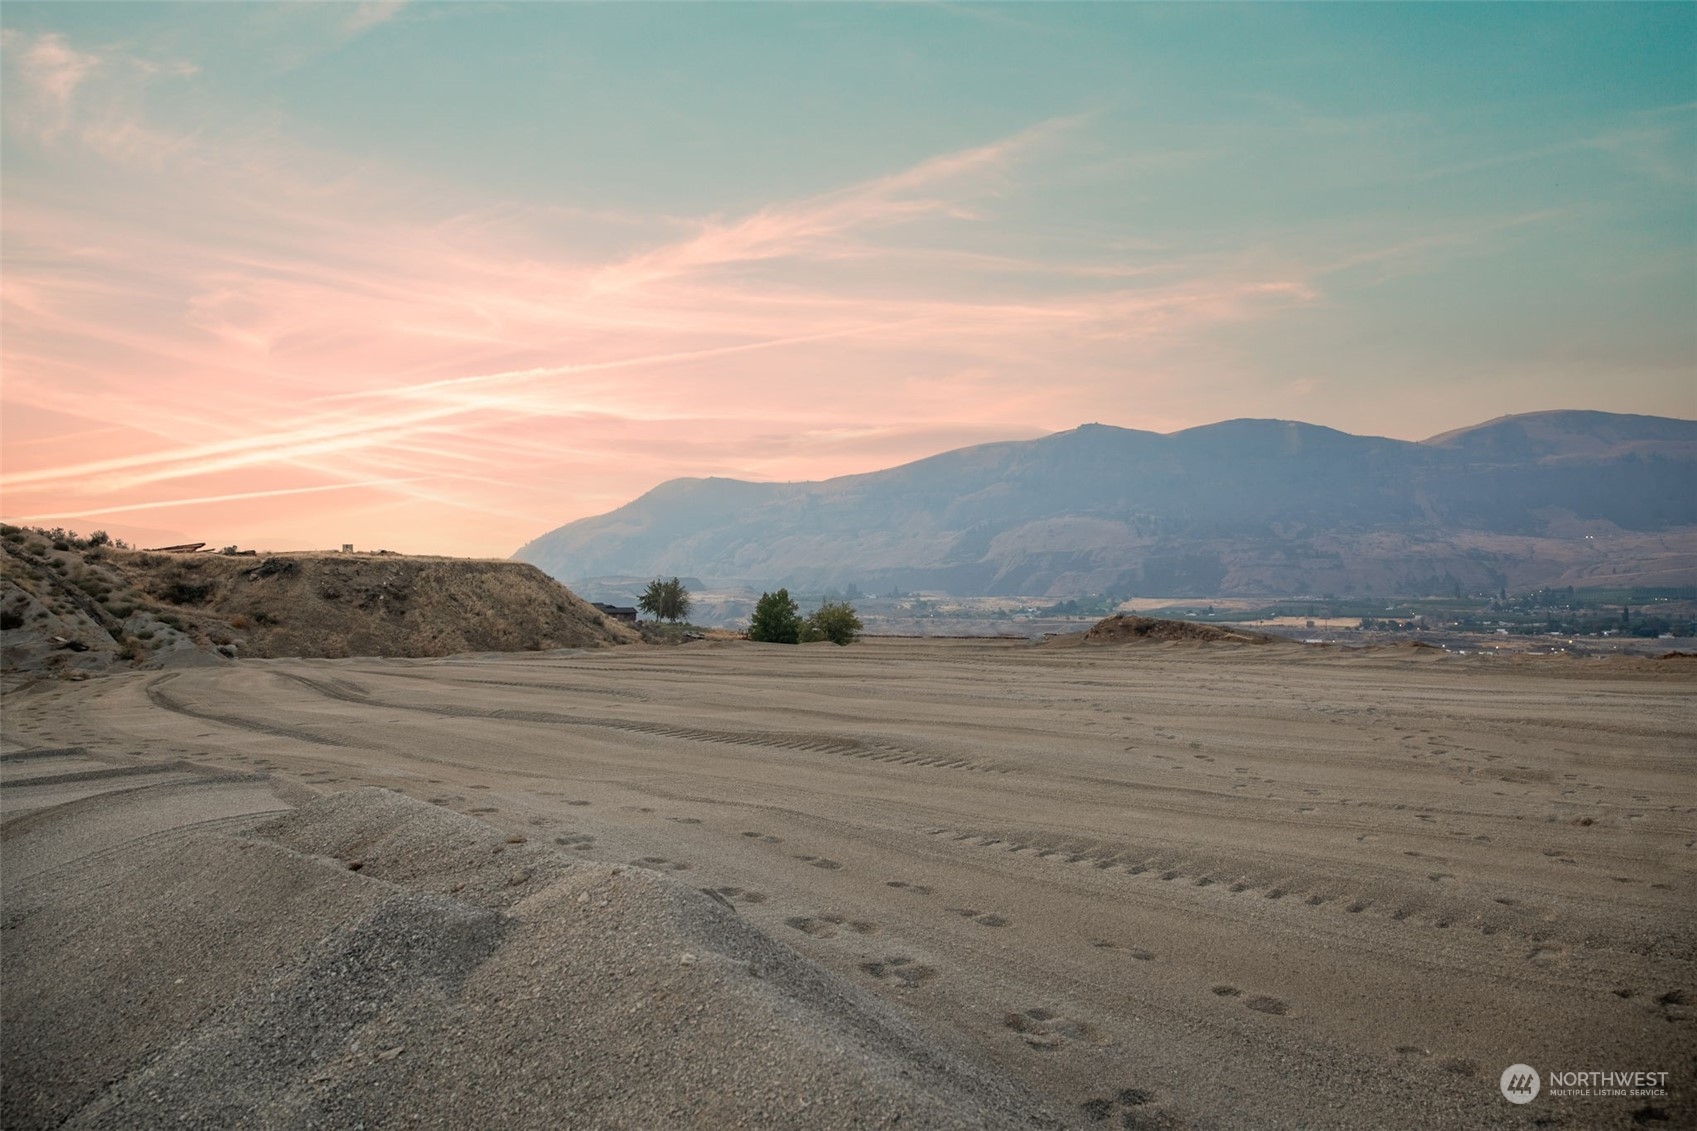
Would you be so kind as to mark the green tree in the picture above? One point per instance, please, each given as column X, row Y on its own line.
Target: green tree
column 776, row 619
column 668, row 600
column 834, row 621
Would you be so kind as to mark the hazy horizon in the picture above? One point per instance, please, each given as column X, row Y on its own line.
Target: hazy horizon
column 443, row 277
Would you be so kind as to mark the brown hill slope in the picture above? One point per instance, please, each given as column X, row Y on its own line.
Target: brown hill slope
column 71, row 607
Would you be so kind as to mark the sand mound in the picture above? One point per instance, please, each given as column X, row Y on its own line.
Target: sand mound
column 88, row 608
column 1121, row 629
column 372, row 960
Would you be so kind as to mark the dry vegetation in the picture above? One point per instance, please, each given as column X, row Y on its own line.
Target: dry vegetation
column 73, row 607
column 1120, row 629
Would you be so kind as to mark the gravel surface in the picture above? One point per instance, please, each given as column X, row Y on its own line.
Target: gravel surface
column 1159, row 884
column 371, row 960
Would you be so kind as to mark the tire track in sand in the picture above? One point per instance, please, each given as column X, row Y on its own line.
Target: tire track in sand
column 161, row 698
column 839, row 745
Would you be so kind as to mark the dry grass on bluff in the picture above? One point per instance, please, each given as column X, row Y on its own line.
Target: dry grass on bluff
column 1120, row 628
column 69, row 607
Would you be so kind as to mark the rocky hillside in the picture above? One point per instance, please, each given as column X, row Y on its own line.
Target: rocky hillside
column 68, row 606
column 1240, row 508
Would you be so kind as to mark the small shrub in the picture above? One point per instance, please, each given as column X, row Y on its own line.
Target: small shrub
column 835, row 621
column 10, row 620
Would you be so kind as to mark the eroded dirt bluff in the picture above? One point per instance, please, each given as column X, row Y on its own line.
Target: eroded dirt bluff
column 71, row 608
column 1120, row 629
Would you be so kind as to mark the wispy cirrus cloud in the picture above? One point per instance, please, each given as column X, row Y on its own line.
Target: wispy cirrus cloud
column 278, row 323
column 47, row 71
column 371, row 13
column 781, row 231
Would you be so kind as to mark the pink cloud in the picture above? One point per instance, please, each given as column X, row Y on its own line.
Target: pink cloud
column 298, row 349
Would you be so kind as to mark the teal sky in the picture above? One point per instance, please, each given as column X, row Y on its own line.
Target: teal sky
column 449, row 275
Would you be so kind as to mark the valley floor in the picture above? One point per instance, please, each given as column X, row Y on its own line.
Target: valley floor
column 1162, row 886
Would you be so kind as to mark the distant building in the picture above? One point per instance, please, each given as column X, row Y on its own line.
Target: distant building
column 347, row 547
column 617, row 612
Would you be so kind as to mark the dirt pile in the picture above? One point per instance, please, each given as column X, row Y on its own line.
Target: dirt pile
column 1122, row 629
column 371, row 960
column 73, row 607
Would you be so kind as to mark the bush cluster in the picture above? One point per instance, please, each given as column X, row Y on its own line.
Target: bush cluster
column 777, row 620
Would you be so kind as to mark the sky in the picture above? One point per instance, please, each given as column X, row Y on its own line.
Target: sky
column 441, row 277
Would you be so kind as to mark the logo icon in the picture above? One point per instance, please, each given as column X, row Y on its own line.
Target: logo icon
column 1520, row 1084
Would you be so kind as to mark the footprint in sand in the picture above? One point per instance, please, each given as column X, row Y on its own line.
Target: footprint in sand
column 660, row 864
column 821, row 862
column 900, row 972
column 827, row 926
column 1098, row 1110
column 764, row 838
column 1046, row 1031
column 742, row 895
column 1260, row 1003
column 914, row 889
column 1137, row 952
column 982, row 918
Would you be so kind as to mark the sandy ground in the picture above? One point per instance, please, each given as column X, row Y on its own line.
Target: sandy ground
column 1158, row 885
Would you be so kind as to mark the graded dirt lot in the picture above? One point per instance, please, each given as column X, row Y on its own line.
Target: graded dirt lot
column 1159, row 885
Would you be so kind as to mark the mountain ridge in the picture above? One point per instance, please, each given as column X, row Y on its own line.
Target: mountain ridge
column 1237, row 507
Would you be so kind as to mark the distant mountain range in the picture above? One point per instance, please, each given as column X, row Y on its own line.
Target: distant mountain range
column 1239, row 508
